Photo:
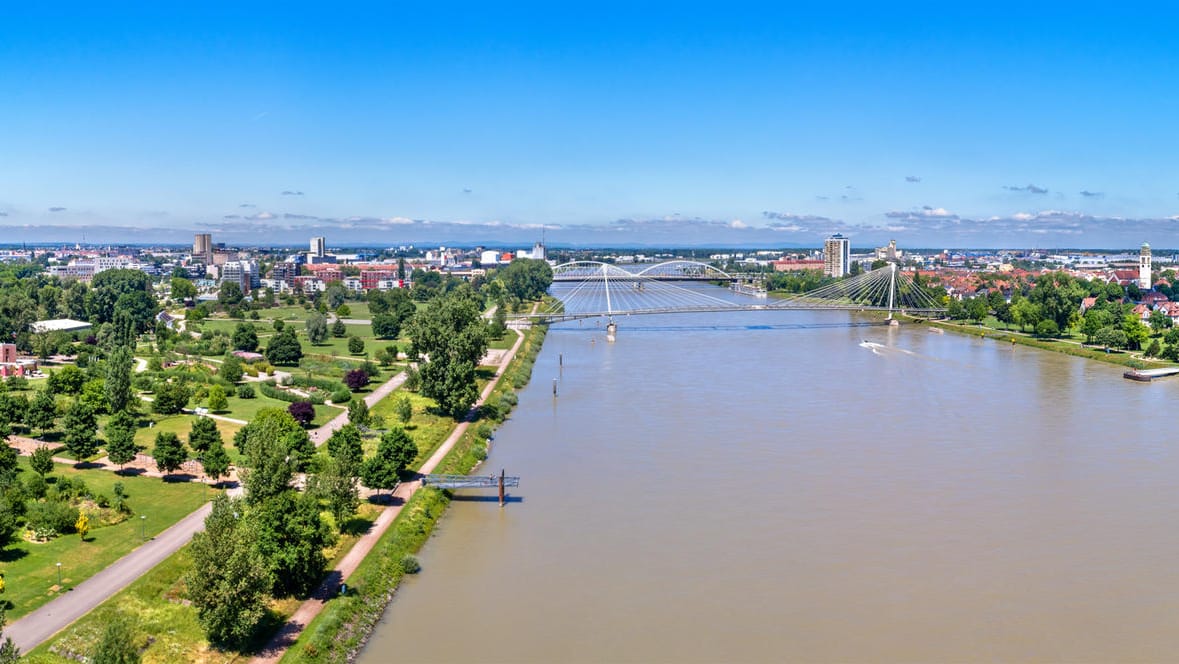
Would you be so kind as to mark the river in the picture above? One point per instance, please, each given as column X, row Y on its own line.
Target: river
column 791, row 486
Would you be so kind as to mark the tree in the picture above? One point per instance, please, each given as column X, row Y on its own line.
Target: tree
column 230, row 293
column 120, row 438
column 1047, row 328
column 394, row 453
column 526, row 279
column 317, row 329
column 1154, row 349
column 1094, row 319
column 41, row 461
column 404, row 409
column 231, row 368
column 169, row 452
column 42, row 411
column 346, row 445
column 182, row 289
column 275, row 445
column 217, row 400
column 291, row 537
column 356, row 379
column 1160, row 321
column 977, row 309
column 334, row 295
column 245, row 337
column 337, row 485
column 386, row 326
column 9, row 653
column 81, row 431
column 117, row 645
column 204, row 434
column 284, row 348
column 117, row 382
column 215, row 460
column 128, row 290
column 1110, row 337
column 82, row 526
column 451, row 334
column 1136, row 331
column 302, row 411
column 170, row 398
column 229, row 581
column 356, row 345
column 339, row 329
column 66, row 380
column 358, row 412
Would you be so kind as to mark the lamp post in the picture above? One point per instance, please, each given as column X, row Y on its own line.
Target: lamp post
column 59, row 575
column 142, row 527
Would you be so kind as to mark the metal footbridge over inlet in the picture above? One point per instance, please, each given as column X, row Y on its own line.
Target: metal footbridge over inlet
column 591, row 289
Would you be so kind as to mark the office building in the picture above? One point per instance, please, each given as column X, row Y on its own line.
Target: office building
column 202, row 248
column 318, row 247
column 837, row 256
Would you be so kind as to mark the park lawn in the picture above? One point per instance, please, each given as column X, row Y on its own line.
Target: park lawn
column 339, row 345
column 247, row 410
column 154, row 605
column 30, row 570
column 360, row 311
column 427, row 428
column 503, row 343
column 180, row 425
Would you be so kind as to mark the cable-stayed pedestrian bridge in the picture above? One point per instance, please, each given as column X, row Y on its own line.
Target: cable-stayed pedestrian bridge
column 591, row 289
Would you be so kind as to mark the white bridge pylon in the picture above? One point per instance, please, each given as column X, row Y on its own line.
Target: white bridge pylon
column 591, row 289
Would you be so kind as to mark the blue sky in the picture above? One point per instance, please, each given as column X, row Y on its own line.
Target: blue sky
column 633, row 123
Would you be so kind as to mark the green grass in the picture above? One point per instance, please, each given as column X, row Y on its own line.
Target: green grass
column 339, row 345
column 1066, row 345
column 428, row 429
column 247, row 409
column 152, row 604
column 30, row 569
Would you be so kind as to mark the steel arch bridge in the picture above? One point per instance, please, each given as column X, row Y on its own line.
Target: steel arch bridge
column 677, row 270
column 592, row 289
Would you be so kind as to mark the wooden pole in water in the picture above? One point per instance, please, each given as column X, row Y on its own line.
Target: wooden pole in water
column 554, row 387
column 501, row 487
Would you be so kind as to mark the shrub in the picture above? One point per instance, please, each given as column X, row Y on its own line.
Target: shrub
column 356, row 379
column 35, row 486
column 246, row 392
column 355, row 345
column 410, row 564
column 302, row 411
column 51, row 516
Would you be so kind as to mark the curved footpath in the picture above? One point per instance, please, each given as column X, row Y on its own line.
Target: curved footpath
column 35, row 628
column 286, row 636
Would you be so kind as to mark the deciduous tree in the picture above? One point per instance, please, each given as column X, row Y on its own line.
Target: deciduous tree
column 169, row 452
column 81, row 431
column 229, row 582
column 451, row 334
column 120, row 438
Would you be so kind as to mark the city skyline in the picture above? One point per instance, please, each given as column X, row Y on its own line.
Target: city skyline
column 742, row 126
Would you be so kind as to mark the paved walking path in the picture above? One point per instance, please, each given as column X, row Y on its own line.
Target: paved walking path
column 286, row 636
column 35, row 628
column 318, row 436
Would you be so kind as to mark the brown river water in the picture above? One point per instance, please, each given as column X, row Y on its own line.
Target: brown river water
column 794, row 486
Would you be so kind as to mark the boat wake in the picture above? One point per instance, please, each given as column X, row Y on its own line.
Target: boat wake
column 881, row 349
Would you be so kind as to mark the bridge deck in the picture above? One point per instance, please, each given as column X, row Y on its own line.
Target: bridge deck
column 468, row 481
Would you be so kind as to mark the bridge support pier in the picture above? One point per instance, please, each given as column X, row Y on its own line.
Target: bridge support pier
column 611, row 331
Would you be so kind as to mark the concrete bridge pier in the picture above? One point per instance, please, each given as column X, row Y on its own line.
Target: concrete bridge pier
column 611, row 330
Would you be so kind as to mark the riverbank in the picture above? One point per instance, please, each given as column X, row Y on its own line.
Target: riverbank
column 342, row 628
column 1066, row 346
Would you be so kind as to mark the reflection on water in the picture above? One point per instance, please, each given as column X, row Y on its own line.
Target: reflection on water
column 813, row 491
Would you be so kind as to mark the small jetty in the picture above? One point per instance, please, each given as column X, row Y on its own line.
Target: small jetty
column 1147, row 375
column 453, row 482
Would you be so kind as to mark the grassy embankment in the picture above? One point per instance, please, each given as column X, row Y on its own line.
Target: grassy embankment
column 1067, row 346
column 345, row 623
column 155, row 602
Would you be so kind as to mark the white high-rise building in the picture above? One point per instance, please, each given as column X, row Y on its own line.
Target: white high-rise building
column 318, row 247
column 837, row 256
column 1144, row 267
